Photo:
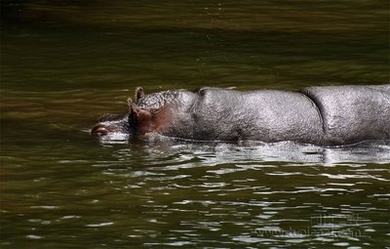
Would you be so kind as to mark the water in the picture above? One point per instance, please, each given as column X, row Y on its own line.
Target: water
column 64, row 64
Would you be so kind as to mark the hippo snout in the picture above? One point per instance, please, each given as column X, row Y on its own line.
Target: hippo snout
column 112, row 128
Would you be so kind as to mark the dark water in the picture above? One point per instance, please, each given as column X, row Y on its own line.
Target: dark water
column 63, row 63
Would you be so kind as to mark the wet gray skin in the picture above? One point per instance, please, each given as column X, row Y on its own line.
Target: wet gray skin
column 333, row 115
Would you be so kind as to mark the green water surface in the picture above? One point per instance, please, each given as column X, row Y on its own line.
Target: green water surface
column 64, row 63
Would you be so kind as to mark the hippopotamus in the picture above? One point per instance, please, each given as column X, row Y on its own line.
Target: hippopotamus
column 325, row 115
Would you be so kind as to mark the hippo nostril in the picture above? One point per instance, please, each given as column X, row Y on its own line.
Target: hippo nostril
column 99, row 130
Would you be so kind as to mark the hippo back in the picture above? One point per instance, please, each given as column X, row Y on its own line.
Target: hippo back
column 266, row 115
column 353, row 113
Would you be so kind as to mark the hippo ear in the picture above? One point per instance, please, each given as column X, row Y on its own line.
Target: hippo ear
column 140, row 120
column 139, row 93
column 137, row 114
column 133, row 110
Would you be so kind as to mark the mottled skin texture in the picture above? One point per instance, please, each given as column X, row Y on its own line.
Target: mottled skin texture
column 333, row 115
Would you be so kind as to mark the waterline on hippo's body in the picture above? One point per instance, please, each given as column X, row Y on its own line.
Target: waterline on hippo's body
column 324, row 116
column 255, row 151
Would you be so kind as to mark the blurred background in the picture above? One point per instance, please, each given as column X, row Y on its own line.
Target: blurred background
column 66, row 62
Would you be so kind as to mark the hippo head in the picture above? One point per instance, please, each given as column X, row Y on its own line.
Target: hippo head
column 113, row 128
column 119, row 128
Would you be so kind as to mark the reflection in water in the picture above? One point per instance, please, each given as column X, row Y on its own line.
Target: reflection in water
column 364, row 152
column 269, row 194
column 201, row 195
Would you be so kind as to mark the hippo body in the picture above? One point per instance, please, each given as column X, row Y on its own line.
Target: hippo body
column 333, row 115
